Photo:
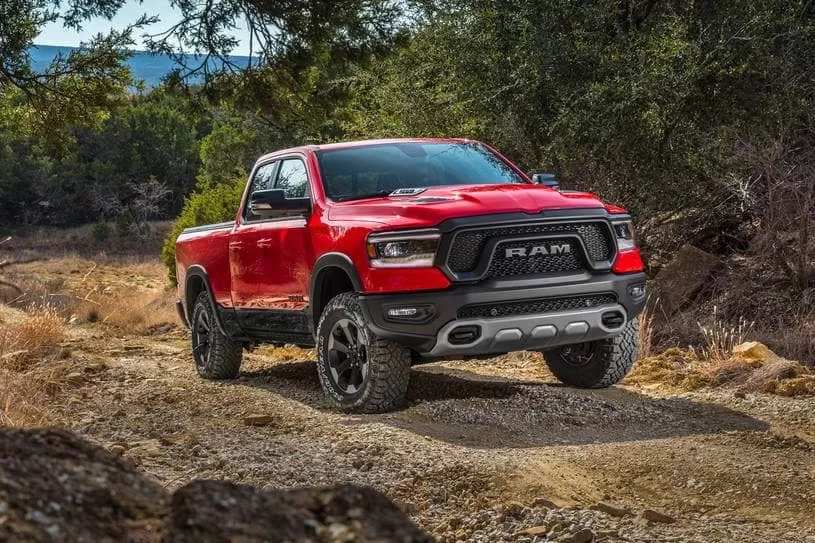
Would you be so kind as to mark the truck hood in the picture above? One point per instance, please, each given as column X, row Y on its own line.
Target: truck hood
column 439, row 203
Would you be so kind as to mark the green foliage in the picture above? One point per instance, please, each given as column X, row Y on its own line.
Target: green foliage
column 95, row 167
column 125, row 222
column 101, row 230
column 640, row 101
column 231, row 148
column 76, row 88
column 213, row 204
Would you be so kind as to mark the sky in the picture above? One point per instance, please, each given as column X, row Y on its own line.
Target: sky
column 56, row 34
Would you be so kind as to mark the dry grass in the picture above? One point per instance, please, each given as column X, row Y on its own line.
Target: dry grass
column 28, row 336
column 25, row 339
column 124, row 294
column 720, row 336
column 140, row 313
column 684, row 370
column 645, row 323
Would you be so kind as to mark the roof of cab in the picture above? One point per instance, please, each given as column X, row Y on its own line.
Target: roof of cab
column 361, row 143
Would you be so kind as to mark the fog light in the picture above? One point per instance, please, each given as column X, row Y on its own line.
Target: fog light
column 402, row 311
column 410, row 313
column 637, row 291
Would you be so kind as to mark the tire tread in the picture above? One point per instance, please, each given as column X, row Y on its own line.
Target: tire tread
column 226, row 355
column 616, row 357
column 389, row 364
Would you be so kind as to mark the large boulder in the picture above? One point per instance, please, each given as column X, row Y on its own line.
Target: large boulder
column 678, row 282
column 223, row 511
column 55, row 486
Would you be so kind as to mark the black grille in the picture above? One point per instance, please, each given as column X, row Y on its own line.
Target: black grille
column 503, row 266
column 468, row 245
column 541, row 305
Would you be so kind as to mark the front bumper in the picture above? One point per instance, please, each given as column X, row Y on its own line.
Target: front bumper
column 441, row 335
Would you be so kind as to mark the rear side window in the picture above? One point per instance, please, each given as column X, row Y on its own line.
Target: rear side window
column 292, row 178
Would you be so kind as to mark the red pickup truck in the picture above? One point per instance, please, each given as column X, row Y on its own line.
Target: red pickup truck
column 386, row 253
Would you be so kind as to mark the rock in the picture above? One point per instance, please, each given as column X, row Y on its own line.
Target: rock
column 512, row 510
column 583, row 536
column 756, row 351
column 54, row 486
column 543, row 502
column 610, row 509
column 534, row 531
column 117, row 450
column 149, row 448
column 98, row 497
column 259, row 420
column 677, row 283
column 75, row 378
column 656, row 516
column 222, row 511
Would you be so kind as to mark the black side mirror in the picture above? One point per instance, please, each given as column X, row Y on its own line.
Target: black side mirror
column 545, row 178
column 273, row 203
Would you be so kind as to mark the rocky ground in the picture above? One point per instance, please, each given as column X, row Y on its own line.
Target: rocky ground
column 492, row 450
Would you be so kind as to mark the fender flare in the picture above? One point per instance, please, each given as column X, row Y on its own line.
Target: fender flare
column 331, row 260
column 196, row 270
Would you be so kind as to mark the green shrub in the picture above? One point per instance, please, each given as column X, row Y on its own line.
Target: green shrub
column 125, row 222
column 101, row 230
column 217, row 203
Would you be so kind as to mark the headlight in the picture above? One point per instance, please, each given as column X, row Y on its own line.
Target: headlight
column 624, row 232
column 415, row 250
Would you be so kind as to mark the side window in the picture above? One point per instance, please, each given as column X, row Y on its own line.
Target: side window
column 264, row 177
column 262, row 180
column 292, row 178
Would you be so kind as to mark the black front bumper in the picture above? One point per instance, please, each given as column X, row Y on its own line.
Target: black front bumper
column 507, row 333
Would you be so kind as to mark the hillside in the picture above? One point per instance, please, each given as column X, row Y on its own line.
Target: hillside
column 147, row 67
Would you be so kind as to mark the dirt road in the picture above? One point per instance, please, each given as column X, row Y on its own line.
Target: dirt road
column 485, row 451
column 481, row 451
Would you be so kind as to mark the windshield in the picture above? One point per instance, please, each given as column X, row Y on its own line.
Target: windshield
column 378, row 170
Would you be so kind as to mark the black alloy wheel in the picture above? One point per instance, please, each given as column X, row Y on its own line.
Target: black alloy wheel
column 347, row 357
column 201, row 340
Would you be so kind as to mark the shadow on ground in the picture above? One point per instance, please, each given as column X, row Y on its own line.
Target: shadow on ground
column 469, row 409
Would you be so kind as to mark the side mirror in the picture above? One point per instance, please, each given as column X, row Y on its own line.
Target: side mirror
column 545, row 178
column 273, row 203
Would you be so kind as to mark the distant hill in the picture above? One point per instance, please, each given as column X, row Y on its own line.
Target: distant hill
column 145, row 66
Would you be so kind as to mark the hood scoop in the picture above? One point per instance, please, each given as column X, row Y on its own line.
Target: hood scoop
column 408, row 191
column 431, row 199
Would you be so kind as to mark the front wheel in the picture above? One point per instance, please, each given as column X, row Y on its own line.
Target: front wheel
column 359, row 372
column 596, row 364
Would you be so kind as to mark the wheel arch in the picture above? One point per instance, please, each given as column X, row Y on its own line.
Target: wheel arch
column 196, row 281
column 333, row 274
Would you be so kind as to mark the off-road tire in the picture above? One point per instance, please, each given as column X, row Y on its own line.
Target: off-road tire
column 388, row 364
column 608, row 360
column 222, row 359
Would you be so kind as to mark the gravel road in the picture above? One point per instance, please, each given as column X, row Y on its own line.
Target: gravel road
column 488, row 451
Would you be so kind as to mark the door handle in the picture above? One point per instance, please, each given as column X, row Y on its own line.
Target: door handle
column 265, row 243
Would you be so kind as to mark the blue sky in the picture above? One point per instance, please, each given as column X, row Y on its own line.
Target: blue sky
column 56, row 34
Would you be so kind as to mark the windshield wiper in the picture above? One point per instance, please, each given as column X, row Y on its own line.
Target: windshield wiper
column 351, row 197
column 405, row 191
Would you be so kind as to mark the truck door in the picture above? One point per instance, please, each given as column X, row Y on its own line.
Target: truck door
column 270, row 258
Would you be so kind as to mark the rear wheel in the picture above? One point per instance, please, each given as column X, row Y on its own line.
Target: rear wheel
column 358, row 371
column 596, row 364
column 216, row 356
